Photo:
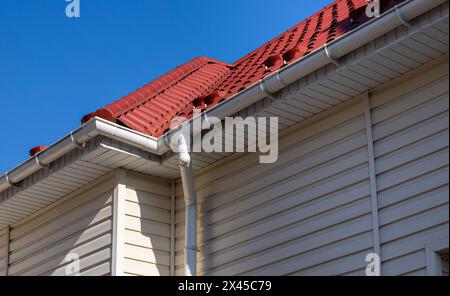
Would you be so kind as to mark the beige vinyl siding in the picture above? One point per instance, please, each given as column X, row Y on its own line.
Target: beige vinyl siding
column 309, row 213
column 410, row 127
column 147, row 226
column 79, row 224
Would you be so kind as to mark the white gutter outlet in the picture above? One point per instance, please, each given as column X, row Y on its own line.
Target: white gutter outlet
column 190, row 199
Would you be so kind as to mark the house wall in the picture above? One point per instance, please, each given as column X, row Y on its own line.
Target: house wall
column 371, row 174
column 410, row 127
column 80, row 224
column 144, row 248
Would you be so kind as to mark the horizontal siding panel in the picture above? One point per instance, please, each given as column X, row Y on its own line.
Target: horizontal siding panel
column 313, row 136
column 418, row 150
column 345, row 245
column 147, row 226
column 419, row 272
column 148, row 184
column 146, row 198
column 354, row 265
column 412, row 135
column 76, row 235
column 307, row 167
column 254, row 219
column 147, row 220
column 298, row 158
column 39, row 267
column 414, row 224
column 306, row 210
column 140, row 268
column 274, row 231
column 102, row 269
column 89, row 265
column 411, row 150
column 414, row 242
column 416, row 186
column 61, row 222
column 413, row 170
column 147, row 212
column 146, row 255
column 407, row 102
column 81, row 224
column 138, row 238
column 287, row 180
column 62, row 207
column 405, row 264
column 411, row 117
column 414, row 206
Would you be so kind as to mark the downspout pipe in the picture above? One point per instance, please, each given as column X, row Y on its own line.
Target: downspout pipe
column 190, row 199
column 77, row 139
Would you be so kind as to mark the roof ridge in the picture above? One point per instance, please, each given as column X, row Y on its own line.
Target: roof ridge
column 151, row 90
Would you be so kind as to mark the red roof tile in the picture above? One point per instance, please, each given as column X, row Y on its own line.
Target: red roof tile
column 205, row 82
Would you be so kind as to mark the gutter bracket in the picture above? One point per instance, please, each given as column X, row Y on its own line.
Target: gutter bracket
column 11, row 183
column 402, row 19
column 265, row 91
column 42, row 166
column 333, row 60
column 79, row 145
column 193, row 248
column 284, row 84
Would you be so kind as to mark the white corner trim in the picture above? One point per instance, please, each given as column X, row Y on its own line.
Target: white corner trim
column 7, row 250
column 118, row 224
column 372, row 175
column 172, row 228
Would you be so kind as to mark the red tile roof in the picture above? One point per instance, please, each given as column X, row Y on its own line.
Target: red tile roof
column 205, row 82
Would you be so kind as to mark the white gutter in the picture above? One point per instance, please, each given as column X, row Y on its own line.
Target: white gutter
column 330, row 53
column 77, row 138
column 190, row 199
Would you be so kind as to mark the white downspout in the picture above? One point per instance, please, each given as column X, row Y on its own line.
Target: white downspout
column 190, row 199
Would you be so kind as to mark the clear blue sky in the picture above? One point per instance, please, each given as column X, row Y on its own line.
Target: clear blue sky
column 54, row 70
